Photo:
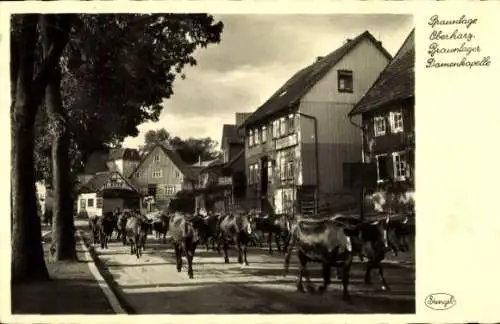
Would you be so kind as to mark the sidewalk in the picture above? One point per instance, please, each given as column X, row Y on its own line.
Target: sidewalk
column 72, row 289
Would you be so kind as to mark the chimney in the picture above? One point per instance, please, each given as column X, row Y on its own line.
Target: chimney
column 241, row 117
column 348, row 40
column 319, row 58
column 379, row 42
column 199, row 160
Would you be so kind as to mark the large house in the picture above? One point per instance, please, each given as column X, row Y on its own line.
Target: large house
column 298, row 140
column 222, row 182
column 162, row 174
column 388, row 119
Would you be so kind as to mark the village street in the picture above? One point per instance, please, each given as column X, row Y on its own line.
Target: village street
column 151, row 285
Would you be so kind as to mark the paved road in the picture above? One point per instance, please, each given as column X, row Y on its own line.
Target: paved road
column 152, row 285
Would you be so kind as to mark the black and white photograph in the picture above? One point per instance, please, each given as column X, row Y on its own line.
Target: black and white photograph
column 204, row 163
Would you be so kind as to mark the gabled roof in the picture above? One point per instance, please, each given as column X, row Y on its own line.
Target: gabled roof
column 184, row 168
column 230, row 135
column 396, row 82
column 96, row 183
column 124, row 153
column 214, row 164
column 295, row 88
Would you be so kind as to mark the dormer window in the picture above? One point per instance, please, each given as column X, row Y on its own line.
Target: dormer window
column 345, row 81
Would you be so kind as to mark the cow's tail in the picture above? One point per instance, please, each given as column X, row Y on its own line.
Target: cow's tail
column 288, row 255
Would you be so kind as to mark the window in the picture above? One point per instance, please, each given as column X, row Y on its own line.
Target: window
column 250, row 174
column 283, row 126
column 399, row 164
column 256, row 137
column 98, row 203
column 157, row 173
column 396, row 119
column 226, row 156
column 157, row 158
column 270, row 171
column 90, row 202
column 138, row 174
column 291, row 124
column 289, row 170
column 250, row 139
column 276, row 128
column 83, row 203
column 170, row 190
column 382, row 167
column 379, row 125
column 282, row 168
column 257, row 173
column 264, row 134
column 345, row 81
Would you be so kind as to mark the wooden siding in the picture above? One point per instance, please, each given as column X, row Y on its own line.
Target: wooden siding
column 390, row 142
column 365, row 61
column 169, row 170
column 338, row 141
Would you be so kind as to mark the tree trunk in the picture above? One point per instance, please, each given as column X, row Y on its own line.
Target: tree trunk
column 63, row 238
column 27, row 262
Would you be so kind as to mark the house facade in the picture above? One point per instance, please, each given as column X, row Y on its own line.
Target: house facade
column 388, row 120
column 162, row 174
column 106, row 191
column 222, row 182
column 297, row 141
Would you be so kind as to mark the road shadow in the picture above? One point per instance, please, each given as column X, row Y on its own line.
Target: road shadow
column 252, row 298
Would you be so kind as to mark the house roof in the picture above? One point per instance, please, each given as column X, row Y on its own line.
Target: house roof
column 396, row 82
column 124, row 153
column 96, row 162
column 296, row 87
column 235, row 158
column 99, row 179
column 183, row 167
column 230, row 135
column 214, row 164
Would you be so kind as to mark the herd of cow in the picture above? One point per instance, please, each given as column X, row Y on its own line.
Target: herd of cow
column 332, row 241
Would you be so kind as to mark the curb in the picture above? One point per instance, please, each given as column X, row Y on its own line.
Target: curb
column 109, row 292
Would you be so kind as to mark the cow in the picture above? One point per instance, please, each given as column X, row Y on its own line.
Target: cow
column 278, row 226
column 370, row 240
column 399, row 232
column 160, row 223
column 94, row 228
column 106, row 225
column 185, row 239
column 136, row 233
column 325, row 241
column 237, row 228
column 121, row 224
column 207, row 227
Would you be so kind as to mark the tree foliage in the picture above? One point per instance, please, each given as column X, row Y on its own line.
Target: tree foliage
column 118, row 69
column 190, row 150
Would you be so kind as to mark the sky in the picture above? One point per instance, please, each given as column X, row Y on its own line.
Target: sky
column 257, row 55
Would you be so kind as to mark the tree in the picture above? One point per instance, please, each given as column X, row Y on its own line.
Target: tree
column 117, row 70
column 190, row 150
column 153, row 137
column 28, row 86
